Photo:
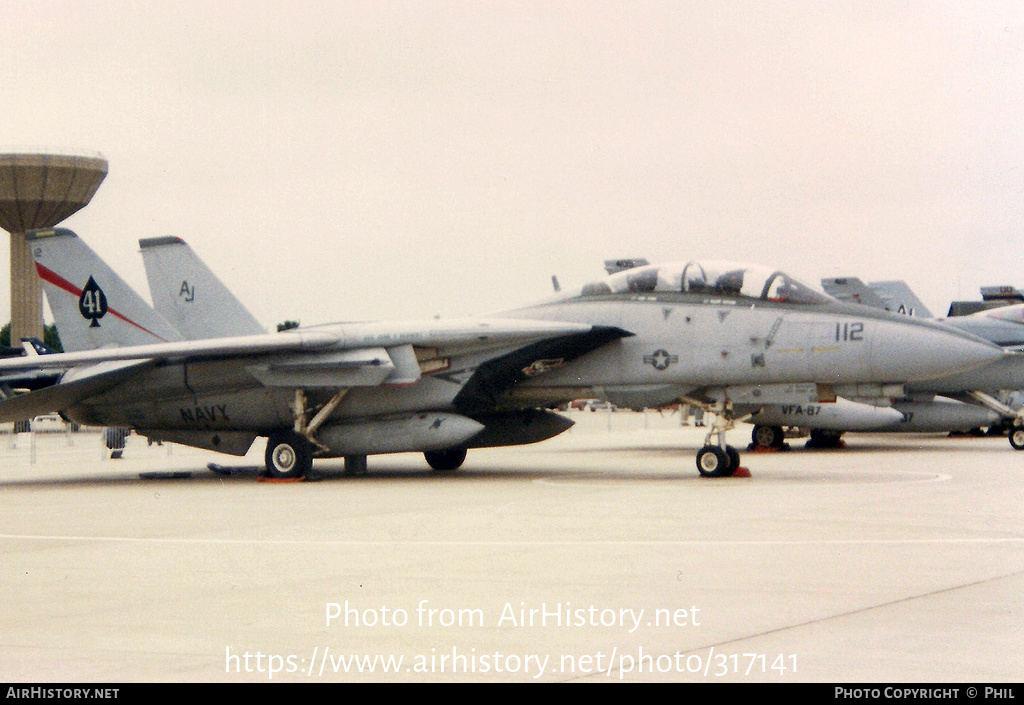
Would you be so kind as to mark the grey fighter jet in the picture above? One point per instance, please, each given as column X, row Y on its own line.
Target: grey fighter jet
column 183, row 288
column 962, row 402
column 709, row 333
column 736, row 339
column 996, row 387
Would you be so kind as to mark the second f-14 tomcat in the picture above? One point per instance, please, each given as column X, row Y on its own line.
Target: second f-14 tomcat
column 983, row 397
column 713, row 332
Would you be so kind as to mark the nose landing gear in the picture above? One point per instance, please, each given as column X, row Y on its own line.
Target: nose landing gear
column 717, row 458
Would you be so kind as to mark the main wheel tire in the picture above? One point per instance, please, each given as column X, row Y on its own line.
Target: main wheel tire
column 446, row 460
column 288, row 456
column 355, row 465
column 767, row 436
column 821, row 438
column 714, row 461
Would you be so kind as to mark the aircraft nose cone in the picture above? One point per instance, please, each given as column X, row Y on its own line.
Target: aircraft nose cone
column 922, row 352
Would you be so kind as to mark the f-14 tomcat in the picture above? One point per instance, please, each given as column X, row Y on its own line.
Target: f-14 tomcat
column 980, row 397
column 709, row 332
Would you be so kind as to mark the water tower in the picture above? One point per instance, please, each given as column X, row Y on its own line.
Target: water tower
column 39, row 190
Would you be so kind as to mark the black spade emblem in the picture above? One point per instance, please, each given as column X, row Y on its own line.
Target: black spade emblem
column 92, row 303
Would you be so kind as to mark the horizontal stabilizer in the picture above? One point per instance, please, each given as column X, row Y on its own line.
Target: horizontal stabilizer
column 443, row 337
column 66, row 394
column 187, row 350
column 34, row 346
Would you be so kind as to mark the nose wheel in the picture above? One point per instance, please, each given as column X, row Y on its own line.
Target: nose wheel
column 716, row 461
column 1017, row 436
column 717, row 458
column 1014, row 418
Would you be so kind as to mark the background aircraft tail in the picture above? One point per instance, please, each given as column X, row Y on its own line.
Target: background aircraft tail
column 187, row 293
column 893, row 296
column 899, row 298
column 852, row 289
column 92, row 306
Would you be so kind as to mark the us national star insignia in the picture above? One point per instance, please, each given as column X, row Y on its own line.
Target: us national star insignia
column 660, row 359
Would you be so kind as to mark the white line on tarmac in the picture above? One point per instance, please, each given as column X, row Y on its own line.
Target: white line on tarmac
column 569, row 479
column 397, row 542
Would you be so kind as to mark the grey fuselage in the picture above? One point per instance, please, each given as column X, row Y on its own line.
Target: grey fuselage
column 1004, row 328
column 679, row 343
column 685, row 343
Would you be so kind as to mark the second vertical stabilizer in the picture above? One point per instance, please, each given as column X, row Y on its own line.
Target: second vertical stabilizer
column 190, row 295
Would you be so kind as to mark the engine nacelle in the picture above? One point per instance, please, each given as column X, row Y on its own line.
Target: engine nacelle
column 944, row 415
column 519, row 428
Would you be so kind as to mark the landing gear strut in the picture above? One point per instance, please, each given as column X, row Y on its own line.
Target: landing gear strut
column 290, row 452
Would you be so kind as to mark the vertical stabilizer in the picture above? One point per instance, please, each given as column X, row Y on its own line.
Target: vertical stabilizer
column 92, row 306
column 853, row 290
column 190, row 295
column 899, row 297
column 893, row 296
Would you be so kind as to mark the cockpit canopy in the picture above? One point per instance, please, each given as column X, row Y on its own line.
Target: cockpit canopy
column 712, row 278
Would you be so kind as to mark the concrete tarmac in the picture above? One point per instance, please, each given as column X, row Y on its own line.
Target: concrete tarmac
column 598, row 556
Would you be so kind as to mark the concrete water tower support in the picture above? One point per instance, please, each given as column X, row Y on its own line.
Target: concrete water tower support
column 39, row 190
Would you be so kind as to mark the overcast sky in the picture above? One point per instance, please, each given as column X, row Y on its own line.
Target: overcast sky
column 339, row 160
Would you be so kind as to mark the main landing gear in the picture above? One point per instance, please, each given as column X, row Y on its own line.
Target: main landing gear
column 826, row 439
column 290, row 452
column 447, row 460
column 768, row 437
column 1013, row 418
